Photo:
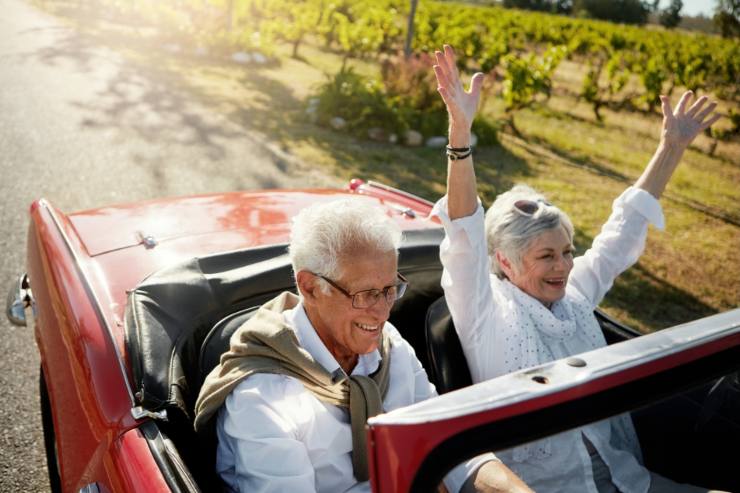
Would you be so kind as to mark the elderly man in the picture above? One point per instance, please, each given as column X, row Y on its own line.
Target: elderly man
column 301, row 378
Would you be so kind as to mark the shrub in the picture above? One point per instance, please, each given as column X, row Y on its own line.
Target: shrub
column 359, row 101
column 406, row 99
column 412, row 88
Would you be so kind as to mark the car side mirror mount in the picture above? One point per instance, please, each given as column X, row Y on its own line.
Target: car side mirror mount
column 20, row 298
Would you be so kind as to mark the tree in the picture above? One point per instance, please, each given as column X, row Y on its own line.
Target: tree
column 727, row 18
column 554, row 6
column 526, row 77
column 670, row 17
column 624, row 11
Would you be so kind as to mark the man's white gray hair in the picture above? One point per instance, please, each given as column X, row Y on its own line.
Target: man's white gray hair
column 511, row 232
column 324, row 234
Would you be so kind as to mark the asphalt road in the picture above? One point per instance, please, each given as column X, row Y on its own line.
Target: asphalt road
column 83, row 127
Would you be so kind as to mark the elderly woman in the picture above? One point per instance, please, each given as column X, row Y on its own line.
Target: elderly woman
column 518, row 297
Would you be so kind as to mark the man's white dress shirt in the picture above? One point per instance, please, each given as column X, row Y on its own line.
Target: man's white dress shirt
column 482, row 306
column 274, row 435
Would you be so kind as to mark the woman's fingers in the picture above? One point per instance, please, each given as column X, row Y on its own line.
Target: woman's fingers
column 451, row 60
column 701, row 115
column 443, row 66
column 439, row 56
column 681, row 107
column 696, row 106
column 461, row 104
column 444, row 89
column 665, row 104
column 710, row 122
column 445, row 96
column 441, row 76
column 476, row 83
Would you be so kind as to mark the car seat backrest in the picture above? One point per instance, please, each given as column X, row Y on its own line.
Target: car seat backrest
column 448, row 368
column 174, row 310
column 216, row 342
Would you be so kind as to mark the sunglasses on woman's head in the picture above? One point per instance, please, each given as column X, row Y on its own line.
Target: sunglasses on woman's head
column 529, row 207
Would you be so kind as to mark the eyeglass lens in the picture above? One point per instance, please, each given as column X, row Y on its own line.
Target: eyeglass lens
column 366, row 299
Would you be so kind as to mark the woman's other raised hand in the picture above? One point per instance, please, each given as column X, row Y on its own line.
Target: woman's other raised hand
column 681, row 126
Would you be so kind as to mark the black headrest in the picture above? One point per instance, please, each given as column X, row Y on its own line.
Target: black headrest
column 170, row 314
column 217, row 340
column 448, row 367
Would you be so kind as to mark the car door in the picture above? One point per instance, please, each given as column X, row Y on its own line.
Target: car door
column 681, row 385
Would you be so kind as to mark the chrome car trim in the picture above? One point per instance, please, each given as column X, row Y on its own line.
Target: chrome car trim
column 20, row 298
column 405, row 211
column 90, row 488
column 139, row 412
column 96, row 302
column 148, row 241
column 388, row 188
column 558, row 376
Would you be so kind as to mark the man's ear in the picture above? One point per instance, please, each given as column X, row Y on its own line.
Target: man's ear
column 308, row 286
column 505, row 264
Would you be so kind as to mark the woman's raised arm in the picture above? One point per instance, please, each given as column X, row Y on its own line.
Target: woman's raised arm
column 462, row 196
column 680, row 128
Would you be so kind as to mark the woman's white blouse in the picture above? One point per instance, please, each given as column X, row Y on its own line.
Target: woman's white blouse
column 275, row 436
column 479, row 308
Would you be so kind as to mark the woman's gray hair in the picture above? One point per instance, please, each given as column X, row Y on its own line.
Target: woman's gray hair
column 510, row 231
column 323, row 234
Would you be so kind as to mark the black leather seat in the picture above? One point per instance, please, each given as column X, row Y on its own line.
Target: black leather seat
column 448, row 367
column 216, row 342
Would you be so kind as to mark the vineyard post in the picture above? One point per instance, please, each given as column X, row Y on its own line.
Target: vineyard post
column 410, row 30
column 230, row 15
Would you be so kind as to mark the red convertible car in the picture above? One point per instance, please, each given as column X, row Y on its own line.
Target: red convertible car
column 132, row 305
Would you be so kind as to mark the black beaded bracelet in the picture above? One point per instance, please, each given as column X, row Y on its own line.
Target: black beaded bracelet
column 454, row 156
column 456, row 153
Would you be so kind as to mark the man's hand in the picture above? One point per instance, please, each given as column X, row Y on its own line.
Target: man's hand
column 495, row 477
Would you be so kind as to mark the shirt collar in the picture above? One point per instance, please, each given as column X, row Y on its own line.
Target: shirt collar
column 311, row 342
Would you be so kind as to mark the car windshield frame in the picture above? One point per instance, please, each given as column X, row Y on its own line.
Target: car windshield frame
column 429, row 438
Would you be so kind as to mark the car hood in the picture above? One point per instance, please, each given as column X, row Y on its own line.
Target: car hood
column 246, row 218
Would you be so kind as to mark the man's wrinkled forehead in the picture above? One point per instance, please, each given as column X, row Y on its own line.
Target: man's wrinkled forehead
column 354, row 261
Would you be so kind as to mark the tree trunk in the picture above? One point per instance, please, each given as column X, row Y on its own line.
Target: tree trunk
column 597, row 106
column 512, row 125
column 296, row 45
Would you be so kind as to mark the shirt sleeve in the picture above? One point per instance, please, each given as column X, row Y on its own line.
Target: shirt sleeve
column 619, row 244
column 263, row 441
column 466, row 275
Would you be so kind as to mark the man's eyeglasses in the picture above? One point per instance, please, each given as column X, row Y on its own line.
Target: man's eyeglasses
column 529, row 207
column 369, row 297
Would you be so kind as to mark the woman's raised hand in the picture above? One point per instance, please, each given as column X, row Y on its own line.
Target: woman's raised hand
column 461, row 105
column 681, row 126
